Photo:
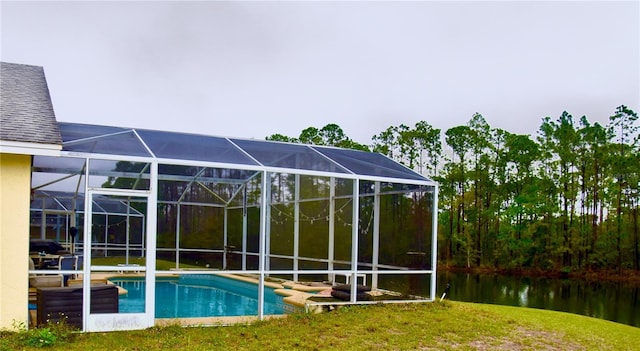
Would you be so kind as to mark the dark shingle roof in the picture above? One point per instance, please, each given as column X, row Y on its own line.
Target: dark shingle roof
column 26, row 112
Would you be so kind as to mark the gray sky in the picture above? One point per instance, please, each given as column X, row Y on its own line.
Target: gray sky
column 252, row 69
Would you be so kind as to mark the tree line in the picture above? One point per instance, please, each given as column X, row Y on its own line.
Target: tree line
column 566, row 198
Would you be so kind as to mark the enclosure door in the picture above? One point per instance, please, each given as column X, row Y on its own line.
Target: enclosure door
column 116, row 251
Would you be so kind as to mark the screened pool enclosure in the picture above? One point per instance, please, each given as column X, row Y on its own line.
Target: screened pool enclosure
column 151, row 203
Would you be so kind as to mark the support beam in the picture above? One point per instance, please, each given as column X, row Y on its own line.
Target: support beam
column 296, row 226
column 267, row 226
column 376, row 236
column 354, row 239
column 264, row 203
column 332, row 227
column 244, row 229
column 106, row 234
column 43, row 221
column 151, row 244
column 144, row 234
column 178, row 212
column 434, row 242
column 127, row 232
column 86, row 249
column 225, row 243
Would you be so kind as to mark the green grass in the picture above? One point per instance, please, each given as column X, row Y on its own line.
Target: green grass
column 430, row 326
column 162, row 265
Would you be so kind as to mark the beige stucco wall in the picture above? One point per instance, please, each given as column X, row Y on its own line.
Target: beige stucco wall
column 15, row 185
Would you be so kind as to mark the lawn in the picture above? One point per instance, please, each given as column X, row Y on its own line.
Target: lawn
column 430, row 326
column 160, row 264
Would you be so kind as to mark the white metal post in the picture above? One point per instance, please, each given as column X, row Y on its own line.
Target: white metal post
column 144, row 236
column 224, row 239
column 106, row 235
column 296, row 226
column 43, row 221
column 244, row 229
column 152, row 223
column 376, row 235
column 354, row 238
column 267, row 227
column 86, row 250
column 332, row 227
column 127, row 232
column 178, row 212
column 434, row 242
column 86, row 276
column 262, row 243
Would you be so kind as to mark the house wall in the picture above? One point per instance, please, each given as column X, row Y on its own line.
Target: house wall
column 15, row 185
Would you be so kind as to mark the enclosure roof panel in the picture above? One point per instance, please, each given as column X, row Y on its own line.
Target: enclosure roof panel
column 63, row 201
column 288, row 155
column 101, row 140
column 369, row 163
column 247, row 152
column 195, row 147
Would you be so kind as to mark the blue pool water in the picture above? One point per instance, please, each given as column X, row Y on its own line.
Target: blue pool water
column 198, row 296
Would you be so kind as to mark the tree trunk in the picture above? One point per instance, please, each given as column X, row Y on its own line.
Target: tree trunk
column 636, row 247
column 619, row 231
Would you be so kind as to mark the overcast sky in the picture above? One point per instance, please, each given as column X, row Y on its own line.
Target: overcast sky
column 252, row 69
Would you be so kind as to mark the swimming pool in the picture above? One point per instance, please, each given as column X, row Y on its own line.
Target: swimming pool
column 199, row 296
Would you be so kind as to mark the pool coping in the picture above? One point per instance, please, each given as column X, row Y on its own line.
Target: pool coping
column 213, row 321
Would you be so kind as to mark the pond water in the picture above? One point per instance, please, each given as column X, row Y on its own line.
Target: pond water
column 614, row 301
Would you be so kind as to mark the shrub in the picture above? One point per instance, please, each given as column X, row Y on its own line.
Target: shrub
column 48, row 335
column 40, row 337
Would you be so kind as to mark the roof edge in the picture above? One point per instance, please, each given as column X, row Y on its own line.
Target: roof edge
column 24, row 148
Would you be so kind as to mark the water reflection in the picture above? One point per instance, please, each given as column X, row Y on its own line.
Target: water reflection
column 615, row 301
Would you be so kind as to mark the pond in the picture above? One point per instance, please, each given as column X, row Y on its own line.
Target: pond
column 614, row 301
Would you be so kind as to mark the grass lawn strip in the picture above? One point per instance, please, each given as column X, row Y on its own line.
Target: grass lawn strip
column 431, row 326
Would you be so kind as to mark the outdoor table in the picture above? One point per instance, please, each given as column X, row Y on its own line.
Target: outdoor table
column 40, row 260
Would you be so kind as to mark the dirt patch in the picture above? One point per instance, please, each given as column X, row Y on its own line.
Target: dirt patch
column 520, row 339
column 531, row 339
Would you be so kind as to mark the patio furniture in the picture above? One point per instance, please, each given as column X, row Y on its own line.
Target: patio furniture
column 43, row 280
column 67, row 263
column 343, row 292
column 44, row 261
column 79, row 264
column 46, row 246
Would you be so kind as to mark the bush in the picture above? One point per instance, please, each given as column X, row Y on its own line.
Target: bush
column 48, row 335
column 40, row 337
